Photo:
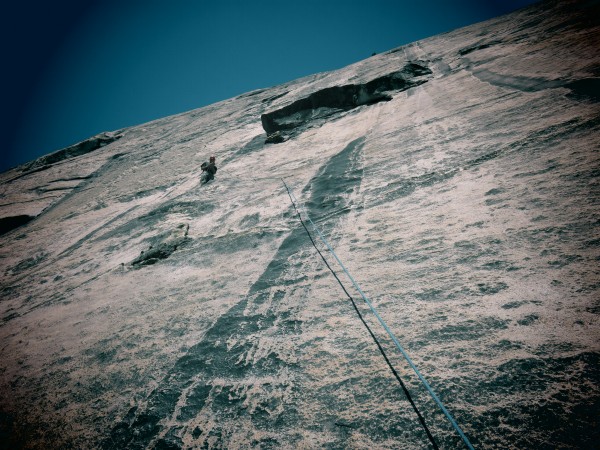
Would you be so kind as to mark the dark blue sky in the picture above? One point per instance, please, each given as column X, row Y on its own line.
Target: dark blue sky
column 74, row 69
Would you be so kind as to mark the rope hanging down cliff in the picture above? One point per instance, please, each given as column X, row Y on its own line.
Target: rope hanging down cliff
column 382, row 322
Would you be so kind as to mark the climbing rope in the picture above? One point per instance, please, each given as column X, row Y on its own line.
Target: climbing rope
column 295, row 203
column 360, row 316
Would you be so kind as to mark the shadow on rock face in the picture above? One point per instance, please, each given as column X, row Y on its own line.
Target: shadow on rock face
column 10, row 223
column 587, row 89
column 163, row 249
column 333, row 100
column 192, row 388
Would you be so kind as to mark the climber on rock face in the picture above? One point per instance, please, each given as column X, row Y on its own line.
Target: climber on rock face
column 208, row 170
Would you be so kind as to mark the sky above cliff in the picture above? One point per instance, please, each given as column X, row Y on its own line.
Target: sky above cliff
column 77, row 69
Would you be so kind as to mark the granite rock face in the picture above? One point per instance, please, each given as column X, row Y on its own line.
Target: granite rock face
column 326, row 103
column 457, row 178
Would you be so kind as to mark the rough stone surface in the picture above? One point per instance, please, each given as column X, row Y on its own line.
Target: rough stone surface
column 467, row 207
column 275, row 138
column 163, row 248
column 326, row 103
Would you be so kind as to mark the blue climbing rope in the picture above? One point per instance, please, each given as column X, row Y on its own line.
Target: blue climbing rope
column 382, row 322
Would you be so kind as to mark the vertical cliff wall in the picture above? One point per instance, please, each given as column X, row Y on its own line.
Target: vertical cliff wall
column 456, row 177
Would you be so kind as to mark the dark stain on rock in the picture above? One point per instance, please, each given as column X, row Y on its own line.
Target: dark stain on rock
column 467, row 50
column 141, row 194
column 28, row 263
column 193, row 208
column 335, row 181
column 213, row 357
column 255, row 144
column 555, row 425
column 250, row 220
column 164, row 249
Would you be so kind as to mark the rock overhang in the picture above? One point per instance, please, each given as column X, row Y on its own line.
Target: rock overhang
column 330, row 101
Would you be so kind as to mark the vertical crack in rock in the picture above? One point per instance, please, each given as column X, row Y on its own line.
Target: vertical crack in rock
column 335, row 181
column 226, row 375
